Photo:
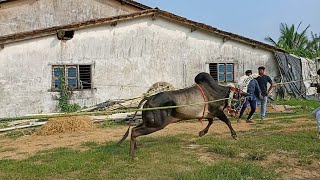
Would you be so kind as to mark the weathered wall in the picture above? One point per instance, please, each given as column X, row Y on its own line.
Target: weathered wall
column 127, row 60
column 28, row 15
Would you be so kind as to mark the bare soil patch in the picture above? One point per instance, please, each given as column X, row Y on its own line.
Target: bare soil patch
column 25, row 146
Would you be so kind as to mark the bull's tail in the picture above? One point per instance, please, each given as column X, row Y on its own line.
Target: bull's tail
column 127, row 133
column 124, row 136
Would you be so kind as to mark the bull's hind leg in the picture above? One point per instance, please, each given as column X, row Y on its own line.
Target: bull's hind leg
column 139, row 131
column 135, row 143
column 225, row 119
column 205, row 130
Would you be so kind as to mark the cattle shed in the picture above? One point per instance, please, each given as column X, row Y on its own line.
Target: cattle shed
column 119, row 57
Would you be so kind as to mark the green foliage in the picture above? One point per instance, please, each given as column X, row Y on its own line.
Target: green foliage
column 296, row 42
column 64, row 99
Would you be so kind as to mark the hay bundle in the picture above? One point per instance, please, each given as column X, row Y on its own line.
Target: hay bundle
column 160, row 87
column 133, row 103
column 66, row 125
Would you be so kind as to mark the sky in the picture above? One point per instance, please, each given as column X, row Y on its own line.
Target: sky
column 255, row 19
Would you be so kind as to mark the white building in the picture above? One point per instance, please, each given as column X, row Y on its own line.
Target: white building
column 119, row 57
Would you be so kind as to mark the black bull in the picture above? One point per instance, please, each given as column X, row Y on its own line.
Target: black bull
column 206, row 89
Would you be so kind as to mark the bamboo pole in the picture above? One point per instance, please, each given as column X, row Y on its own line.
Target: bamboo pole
column 22, row 127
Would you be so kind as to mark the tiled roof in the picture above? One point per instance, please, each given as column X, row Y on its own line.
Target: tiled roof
column 150, row 12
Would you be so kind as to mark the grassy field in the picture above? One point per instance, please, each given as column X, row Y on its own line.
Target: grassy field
column 267, row 151
column 311, row 104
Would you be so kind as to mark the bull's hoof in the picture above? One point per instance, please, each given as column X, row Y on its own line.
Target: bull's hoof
column 202, row 133
column 234, row 136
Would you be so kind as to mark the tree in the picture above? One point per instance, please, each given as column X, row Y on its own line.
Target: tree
column 314, row 45
column 297, row 42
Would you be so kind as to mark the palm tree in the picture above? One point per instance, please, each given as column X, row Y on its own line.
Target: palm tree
column 314, row 46
column 291, row 40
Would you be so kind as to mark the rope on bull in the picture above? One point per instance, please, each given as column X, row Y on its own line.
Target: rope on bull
column 104, row 112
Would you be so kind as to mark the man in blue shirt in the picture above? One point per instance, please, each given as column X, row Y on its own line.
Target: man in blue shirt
column 263, row 81
column 253, row 93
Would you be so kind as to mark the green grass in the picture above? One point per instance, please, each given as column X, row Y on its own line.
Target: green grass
column 161, row 158
column 286, row 120
column 229, row 170
column 272, row 128
column 171, row 158
column 305, row 104
column 110, row 123
column 3, row 125
column 256, row 145
column 167, row 158
column 18, row 133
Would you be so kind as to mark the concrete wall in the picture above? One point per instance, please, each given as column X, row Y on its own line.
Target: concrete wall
column 28, row 15
column 127, row 60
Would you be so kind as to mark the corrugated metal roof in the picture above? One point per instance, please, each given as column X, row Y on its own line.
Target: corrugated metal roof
column 151, row 12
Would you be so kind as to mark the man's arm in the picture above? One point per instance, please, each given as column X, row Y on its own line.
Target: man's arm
column 271, row 85
column 257, row 88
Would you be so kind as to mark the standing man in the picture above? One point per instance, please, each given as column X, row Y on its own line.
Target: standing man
column 253, row 93
column 244, row 81
column 263, row 81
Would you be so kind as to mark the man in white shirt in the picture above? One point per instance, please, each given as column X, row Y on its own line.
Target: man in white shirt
column 245, row 80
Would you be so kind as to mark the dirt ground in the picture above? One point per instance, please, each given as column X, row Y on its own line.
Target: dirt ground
column 25, row 146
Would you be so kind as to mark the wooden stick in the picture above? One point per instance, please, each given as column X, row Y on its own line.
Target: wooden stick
column 22, row 127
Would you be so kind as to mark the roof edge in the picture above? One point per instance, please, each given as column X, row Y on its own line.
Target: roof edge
column 136, row 4
column 129, row 2
column 74, row 26
column 154, row 12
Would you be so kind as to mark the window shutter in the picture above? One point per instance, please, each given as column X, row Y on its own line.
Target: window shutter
column 213, row 68
column 85, row 76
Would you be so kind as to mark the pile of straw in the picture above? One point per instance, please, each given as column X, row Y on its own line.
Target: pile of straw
column 66, row 125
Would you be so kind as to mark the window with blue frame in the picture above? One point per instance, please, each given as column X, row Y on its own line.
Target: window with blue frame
column 76, row 77
column 222, row 72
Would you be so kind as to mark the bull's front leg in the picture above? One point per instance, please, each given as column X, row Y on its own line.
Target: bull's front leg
column 225, row 119
column 205, row 130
